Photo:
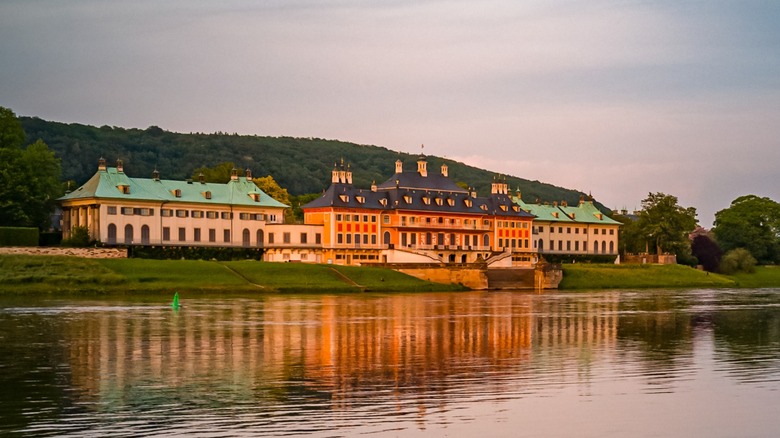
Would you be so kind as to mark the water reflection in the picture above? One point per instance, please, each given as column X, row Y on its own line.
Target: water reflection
column 362, row 363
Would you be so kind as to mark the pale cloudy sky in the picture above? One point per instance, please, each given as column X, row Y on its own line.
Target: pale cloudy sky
column 615, row 97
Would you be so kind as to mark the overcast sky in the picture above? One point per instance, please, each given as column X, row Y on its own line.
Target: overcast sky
column 619, row 98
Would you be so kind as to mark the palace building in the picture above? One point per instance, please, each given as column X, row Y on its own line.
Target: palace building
column 120, row 210
column 416, row 216
column 561, row 229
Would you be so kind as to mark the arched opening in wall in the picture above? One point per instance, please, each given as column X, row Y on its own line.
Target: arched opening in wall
column 111, row 234
column 541, row 245
column 128, row 234
column 428, row 239
column 463, row 258
column 260, row 239
column 452, row 258
column 611, row 247
column 486, row 240
column 595, row 247
column 245, row 237
column 386, row 238
column 145, row 235
column 604, row 247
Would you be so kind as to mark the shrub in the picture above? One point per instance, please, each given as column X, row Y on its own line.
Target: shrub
column 79, row 237
column 18, row 236
column 738, row 260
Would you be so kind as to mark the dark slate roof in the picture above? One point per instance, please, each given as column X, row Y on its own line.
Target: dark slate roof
column 413, row 180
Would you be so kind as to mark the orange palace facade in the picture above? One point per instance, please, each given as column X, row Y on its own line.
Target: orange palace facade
column 414, row 217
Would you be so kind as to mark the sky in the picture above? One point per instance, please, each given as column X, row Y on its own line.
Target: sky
column 617, row 98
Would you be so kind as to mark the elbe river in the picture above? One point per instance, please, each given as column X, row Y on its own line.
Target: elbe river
column 622, row 363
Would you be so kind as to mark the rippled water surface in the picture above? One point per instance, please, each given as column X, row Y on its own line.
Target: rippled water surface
column 505, row 364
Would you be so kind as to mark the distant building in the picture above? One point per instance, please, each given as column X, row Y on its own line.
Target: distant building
column 562, row 229
column 414, row 217
column 120, row 210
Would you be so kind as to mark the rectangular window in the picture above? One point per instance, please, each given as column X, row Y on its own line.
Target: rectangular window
column 197, row 214
column 182, row 234
column 111, row 210
column 259, row 217
column 365, row 218
column 541, row 229
column 349, row 239
column 166, row 233
column 271, row 238
column 338, row 218
column 373, row 239
column 182, row 213
column 286, row 237
column 560, row 245
column 576, row 246
column 373, row 219
column 226, row 215
column 304, row 238
column 318, row 238
column 568, row 230
column 226, row 236
column 212, row 235
column 576, row 231
column 127, row 211
column 243, row 216
column 552, row 230
column 386, row 219
column 560, row 230
column 211, row 215
column 339, row 238
column 552, row 245
column 611, row 232
column 355, row 218
column 568, row 245
column 196, row 236
column 166, row 212
column 365, row 239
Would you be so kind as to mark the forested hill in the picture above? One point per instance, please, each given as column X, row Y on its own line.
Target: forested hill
column 301, row 165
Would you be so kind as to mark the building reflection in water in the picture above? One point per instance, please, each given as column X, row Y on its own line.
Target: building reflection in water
column 339, row 348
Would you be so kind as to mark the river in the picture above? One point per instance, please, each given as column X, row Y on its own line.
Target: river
column 665, row 363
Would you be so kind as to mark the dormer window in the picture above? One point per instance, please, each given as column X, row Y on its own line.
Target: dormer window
column 124, row 189
column 360, row 199
column 207, row 195
column 516, row 208
column 450, row 202
column 439, row 201
column 407, row 199
column 504, row 207
column 383, row 201
column 555, row 214
column 255, row 197
column 344, row 198
column 426, row 200
column 177, row 193
column 483, row 207
column 468, row 203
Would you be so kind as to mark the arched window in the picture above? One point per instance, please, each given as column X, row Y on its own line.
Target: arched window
column 111, row 234
column 611, row 247
column 128, row 234
column 260, row 238
column 245, row 237
column 428, row 239
column 386, row 238
column 541, row 245
column 595, row 247
column 145, row 235
column 603, row 246
column 486, row 240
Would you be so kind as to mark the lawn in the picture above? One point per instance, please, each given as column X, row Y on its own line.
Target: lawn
column 608, row 276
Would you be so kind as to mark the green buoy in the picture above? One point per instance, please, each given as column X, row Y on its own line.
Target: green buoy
column 175, row 304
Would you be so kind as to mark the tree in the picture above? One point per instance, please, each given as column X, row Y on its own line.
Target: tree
column 707, row 252
column 738, row 260
column 218, row 174
column 268, row 185
column 666, row 224
column 752, row 223
column 29, row 177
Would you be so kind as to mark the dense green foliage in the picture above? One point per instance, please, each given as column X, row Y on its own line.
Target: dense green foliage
column 300, row 165
column 29, row 177
column 18, row 236
column 79, row 237
column 736, row 261
column 583, row 276
column 194, row 253
column 752, row 223
column 662, row 227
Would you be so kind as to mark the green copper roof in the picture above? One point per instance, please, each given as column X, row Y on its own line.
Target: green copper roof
column 584, row 213
column 113, row 184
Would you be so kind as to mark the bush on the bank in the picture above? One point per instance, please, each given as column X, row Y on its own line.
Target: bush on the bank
column 79, row 238
column 18, row 236
column 738, row 260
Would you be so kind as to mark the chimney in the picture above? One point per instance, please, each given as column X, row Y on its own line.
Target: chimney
column 102, row 164
column 473, row 192
column 120, row 166
column 234, row 174
column 444, row 171
column 399, row 166
column 349, row 174
column 248, row 173
column 202, row 178
column 155, row 175
column 373, row 186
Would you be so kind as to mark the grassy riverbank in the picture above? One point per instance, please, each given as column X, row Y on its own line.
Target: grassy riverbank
column 57, row 274
column 609, row 276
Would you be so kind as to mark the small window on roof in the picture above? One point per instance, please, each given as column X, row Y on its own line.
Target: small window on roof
column 125, row 189
column 344, row 198
column 383, row 201
column 439, row 201
column 450, row 202
column 555, row 214
column 407, row 199
column 504, row 207
column 483, row 206
column 255, row 197
column 516, row 208
column 360, row 199
column 468, row 202
column 177, row 193
column 207, row 195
